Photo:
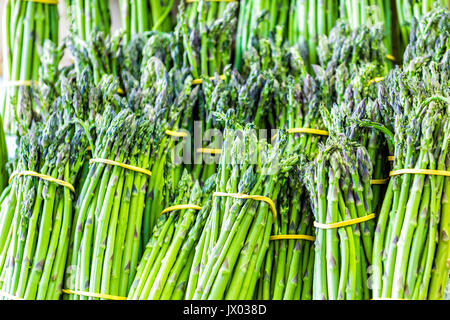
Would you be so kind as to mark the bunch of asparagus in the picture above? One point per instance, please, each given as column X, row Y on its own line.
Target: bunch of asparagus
column 25, row 27
column 360, row 13
column 71, row 90
column 411, row 249
column 429, row 36
column 256, row 94
column 215, row 95
column 235, row 239
column 88, row 17
column 357, row 121
column 348, row 78
column 207, row 40
column 36, row 216
column 338, row 181
column 347, row 54
column 145, row 15
column 168, row 98
column 287, row 272
column 165, row 266
column 266, row 67
column 409, row 12
column 313, row 19
column 74, row 93
column 98, row 54
column 210, row 9
column 302, row 22
column 105, row 240
column 288, row 268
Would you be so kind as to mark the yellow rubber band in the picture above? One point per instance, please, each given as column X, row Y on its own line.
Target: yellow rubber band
column 43, row 177
column 93, row 295
column 10, row 296
column 120, row 91
column 376, row 80
column 246, row 196
column 379, row 181
column 293, row 237
column 18, row 83
column 308, row 130
column 209, row 150
column 200, row 81
column 123, row 165
column 391, row 158
column 343, row 223
column 176, row 133
column 420, row 171
column 181, row 207
column 390, row 57
column 44, row 1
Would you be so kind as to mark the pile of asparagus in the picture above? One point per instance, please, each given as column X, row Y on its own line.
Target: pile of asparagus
column 269, row 216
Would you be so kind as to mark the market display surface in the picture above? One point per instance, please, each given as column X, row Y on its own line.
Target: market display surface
column 225, row 150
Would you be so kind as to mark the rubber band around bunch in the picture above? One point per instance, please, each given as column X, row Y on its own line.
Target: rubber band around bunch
column 181, row 207
column 309, row 130
column 382, row 181
column 209, row 150
column 44, row 1
column 93, row 295
column 123, row 165
column 176, row 133
column 247, row 196
column 43, row 177
column 376, row 80
column 379, row 181
column 390, row 57
column 10, row 296
column 200, row 81
column 305, row 130
column 343, row 223
column 18, row 83
column 292, row 237
column 420, row 171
